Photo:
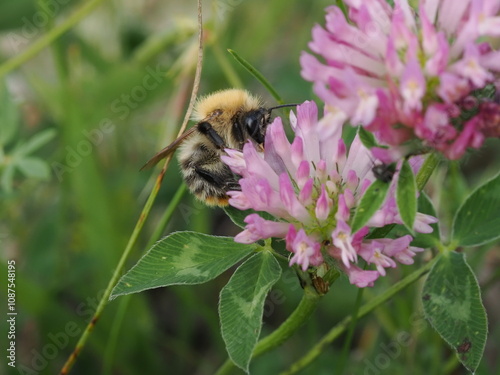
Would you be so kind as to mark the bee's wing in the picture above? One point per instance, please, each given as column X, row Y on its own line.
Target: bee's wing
column 169, row 149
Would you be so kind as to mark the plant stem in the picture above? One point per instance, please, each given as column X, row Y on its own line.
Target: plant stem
column 49, row 37
column 116, row 275
column 306, row 307
column 299, row 316
column 145, row 211
column 122, row 308
column 337, row 330
column 258, row 75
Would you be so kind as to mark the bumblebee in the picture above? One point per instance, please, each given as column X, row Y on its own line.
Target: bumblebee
column 225, row 119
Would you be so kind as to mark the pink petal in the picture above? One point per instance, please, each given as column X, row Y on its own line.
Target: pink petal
column 412, row 87
column 342, row 240
column 343, row 209
column 305, row 195
column 307, row 118
column 470, row 67
column 306, row 251
column 239, row 200
column 258, row 228
column 330, row 126
column 324, row 205
column 277, row 152
column 257, row 166
column 406, row 256
column 297, row 151
column 361, row 278
column 303, row 173
column 290, row 200
column 464, row 140
column 235, row 160
column 452, row 87
column 262, row 197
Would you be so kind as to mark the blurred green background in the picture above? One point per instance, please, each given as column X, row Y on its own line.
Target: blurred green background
column 78, row 121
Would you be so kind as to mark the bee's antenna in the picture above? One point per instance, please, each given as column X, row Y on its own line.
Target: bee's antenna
column 282, row 106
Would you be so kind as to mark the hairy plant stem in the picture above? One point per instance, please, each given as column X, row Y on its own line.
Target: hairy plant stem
column 144, row 214
column 299, row 316
column 117, row 322
column 116, row 275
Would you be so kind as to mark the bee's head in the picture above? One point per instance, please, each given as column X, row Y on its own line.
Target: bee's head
column 256, row 121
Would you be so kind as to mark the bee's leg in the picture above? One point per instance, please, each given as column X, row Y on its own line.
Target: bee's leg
column 226, row 180
column 210, row 176
column 206, row 129
column 233, row 184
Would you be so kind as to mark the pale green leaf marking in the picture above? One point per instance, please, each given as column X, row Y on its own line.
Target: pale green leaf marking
column 242, row 304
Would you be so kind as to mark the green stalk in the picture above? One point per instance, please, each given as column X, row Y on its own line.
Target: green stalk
column 299, row 316
column 337, row 330
column 122, row 308
column 145, row 211
column 49, row 37
column 116, row 275
column 306, row 307
column 258, row 75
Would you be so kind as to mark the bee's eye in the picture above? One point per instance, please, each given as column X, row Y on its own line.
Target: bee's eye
column 255, row 123
column 252, row 124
